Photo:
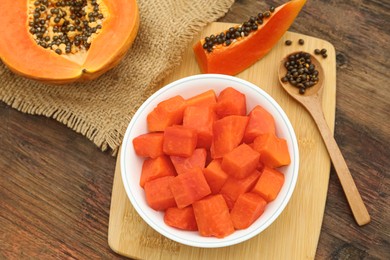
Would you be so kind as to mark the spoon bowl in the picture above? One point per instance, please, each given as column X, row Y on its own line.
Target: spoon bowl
column 294, row 91
column 312, row 101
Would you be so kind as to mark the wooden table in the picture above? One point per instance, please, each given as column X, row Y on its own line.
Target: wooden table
column 55, row 185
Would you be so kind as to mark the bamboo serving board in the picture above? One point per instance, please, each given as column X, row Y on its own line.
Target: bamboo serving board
column 295, row 234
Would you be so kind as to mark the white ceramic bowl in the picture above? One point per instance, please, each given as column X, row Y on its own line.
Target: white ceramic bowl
column 131, row 164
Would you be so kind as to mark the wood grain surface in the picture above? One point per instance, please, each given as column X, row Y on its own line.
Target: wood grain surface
column 55, row 185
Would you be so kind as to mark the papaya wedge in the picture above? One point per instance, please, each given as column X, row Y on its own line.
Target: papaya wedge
column 65, row 41
column 237, row 48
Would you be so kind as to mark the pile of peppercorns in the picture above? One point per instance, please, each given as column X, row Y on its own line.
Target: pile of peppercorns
column 65, row 26
column 301, row 72
column 226, row 38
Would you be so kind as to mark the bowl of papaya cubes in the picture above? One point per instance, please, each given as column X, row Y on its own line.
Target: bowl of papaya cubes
column 209, row 160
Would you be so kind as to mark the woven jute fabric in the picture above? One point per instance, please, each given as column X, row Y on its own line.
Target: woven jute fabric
column 101, row 109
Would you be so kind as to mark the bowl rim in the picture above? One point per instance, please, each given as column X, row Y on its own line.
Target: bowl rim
column 212, row 242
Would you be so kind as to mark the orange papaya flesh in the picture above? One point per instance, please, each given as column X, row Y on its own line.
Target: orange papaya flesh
column 149, row 145
column 190, row 187
column 227, row 134
column 215, row 176
column 244, row 51
column 269, row 184
column 260, row 122
column 230, row 102
column 212, row 216
column 200, row 118
column 273, row 150
column 241, row 161
column 167, row 113
column 156, row 168
column 185, row 164
column 181, row 218
column 247, row 209
column 235, row 187
column 179, row 141
column 158, row 194
column 88, row 60
column 207, row 98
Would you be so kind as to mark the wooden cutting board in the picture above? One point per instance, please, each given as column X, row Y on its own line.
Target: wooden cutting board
column 295, row 234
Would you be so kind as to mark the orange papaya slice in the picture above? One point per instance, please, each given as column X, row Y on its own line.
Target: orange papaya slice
column 67, row 42
column 237, row 48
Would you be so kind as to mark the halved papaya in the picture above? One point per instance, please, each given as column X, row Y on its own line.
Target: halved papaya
column 58, row 42
column 237, row 48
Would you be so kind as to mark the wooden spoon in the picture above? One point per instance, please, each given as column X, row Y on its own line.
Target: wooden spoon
column 312, row 101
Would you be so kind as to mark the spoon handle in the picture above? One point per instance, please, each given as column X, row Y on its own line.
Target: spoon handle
column 355, row 201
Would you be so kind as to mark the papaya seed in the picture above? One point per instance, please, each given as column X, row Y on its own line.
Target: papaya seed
column 301, row 72
column 76, row 19
column 241, row 31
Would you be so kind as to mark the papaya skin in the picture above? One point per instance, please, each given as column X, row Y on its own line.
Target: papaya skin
column 20, row 53
column 244, row 52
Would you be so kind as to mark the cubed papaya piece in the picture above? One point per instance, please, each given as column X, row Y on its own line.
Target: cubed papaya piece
column 154, row 168
column 181, row 218
column 184, row 164
column 230, row 102
column 189, row 187
column 260, row 122
column 200, row 118
column 269, row 184
column 205, row 99
column 158, row 193
column 179, row 141
column 273, row 150
column 215, row 176
column 247, row 209
column 167, row 113
column 212, row 216
column 149, row 145
column 235, row 187
column 241, row 161
column 227, row 134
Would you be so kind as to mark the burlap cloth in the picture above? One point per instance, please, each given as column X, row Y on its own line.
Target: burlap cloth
column 102, row 109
